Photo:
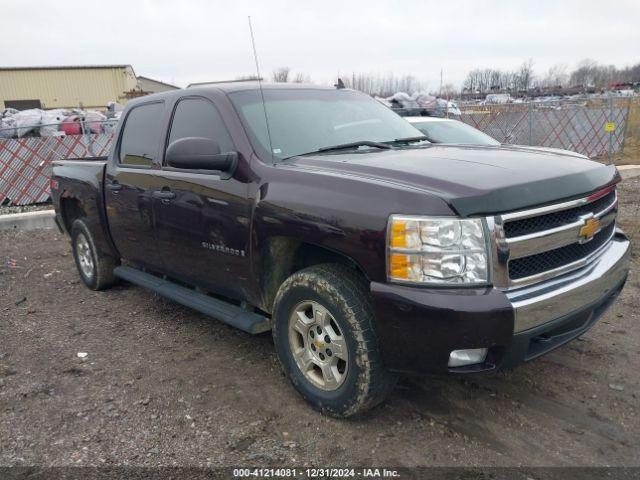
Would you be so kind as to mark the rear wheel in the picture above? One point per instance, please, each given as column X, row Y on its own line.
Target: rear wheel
column 325, row 339
column 95, row 269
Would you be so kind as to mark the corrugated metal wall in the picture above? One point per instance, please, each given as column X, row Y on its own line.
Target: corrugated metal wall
column 153, row 86
column 67, row 87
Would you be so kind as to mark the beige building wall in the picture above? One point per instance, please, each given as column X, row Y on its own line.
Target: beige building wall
column 68, row 87
column 150, row 85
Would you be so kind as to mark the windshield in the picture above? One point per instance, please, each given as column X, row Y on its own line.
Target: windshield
column 453, row 132
column 306, row 120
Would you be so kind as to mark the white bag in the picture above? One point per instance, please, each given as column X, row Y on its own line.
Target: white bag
column 8, row 127
column 50, row 122
column 27, row 120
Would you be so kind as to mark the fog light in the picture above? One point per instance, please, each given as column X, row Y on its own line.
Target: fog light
column 459, row 358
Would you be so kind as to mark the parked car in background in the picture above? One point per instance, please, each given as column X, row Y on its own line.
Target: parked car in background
column 449, row 131
column 499, row 98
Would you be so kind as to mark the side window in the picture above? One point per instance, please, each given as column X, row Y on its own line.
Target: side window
column 197, row 117
column 141, row 136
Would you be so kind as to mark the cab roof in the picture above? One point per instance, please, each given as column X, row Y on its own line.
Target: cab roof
column 229, row 87
column 254, row 85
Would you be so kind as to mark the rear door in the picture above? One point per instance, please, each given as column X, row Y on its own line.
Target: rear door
column 131, row 179
column 202, row 217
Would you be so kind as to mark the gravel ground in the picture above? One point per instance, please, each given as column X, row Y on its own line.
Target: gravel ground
column 162, row 385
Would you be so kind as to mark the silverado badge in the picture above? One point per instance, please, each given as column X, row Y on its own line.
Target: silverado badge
column 589, row 229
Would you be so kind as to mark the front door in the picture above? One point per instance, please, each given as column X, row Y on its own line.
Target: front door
column 202, row 217
column 130, row 182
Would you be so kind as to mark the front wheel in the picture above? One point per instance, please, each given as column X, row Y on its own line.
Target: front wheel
column 325, row 339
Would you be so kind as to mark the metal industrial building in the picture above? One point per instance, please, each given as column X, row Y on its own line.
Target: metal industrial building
column 91, row 86
column 149, row 85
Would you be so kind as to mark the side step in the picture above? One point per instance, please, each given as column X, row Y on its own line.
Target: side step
column 226, row 312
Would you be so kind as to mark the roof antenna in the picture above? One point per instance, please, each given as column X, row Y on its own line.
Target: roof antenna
column 264, row 106
column 340, row 84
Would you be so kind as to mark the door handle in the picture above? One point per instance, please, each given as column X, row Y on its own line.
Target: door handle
column 164, row 195
column 196, row 202
column 115, row 187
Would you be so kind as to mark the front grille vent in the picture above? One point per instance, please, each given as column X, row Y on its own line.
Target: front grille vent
column 559, row 257
column 525, row 226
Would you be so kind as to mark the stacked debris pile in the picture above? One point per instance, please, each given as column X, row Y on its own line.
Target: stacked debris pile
column 57, row 123
column 420, row 104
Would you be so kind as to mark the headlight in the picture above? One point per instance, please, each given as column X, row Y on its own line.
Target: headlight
column 437, row 251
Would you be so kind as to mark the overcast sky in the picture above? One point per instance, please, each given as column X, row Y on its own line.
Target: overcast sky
column 185, row 41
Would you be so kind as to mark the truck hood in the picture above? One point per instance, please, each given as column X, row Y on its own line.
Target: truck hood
column 473, row 179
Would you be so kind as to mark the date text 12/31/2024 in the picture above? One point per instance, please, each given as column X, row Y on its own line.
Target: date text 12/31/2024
column 313, row 473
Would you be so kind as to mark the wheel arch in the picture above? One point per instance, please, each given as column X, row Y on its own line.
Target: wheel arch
column 73, row 205
column 71, row 208
column 283, row 256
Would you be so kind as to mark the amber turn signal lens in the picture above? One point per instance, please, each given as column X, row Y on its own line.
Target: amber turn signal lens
column 399, row 234
column 399, row 266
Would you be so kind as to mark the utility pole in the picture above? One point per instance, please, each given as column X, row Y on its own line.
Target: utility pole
column 440, row 82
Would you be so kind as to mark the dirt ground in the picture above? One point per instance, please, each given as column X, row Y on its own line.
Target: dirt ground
column 162, row 385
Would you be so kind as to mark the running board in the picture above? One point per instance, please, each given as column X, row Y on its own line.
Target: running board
column 226, row 312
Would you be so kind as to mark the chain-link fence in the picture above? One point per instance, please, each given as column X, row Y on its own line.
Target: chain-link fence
column 593, row 127
column 25, row 163
column 572, row 125
column 630, row 153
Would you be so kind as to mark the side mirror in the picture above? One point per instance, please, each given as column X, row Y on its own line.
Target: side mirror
column 196, row 153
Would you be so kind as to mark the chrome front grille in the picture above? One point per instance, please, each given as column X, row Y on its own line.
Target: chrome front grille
column 533, row 245
column 516, row 228
column 559, row 257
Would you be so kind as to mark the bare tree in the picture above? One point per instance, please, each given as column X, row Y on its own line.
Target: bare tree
column 525, row 75
column 486, row 80
column 248, row 78
column 383, row 85
column 301, row 78
column 630, row 74
column 471, row 83
column 584, row 74
column 587, row 74
column 508, row 80
column 449, row 91
column 281, row 74
column 556, row 76
column 590, row 74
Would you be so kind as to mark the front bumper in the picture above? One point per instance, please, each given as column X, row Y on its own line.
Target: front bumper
column 419, row 327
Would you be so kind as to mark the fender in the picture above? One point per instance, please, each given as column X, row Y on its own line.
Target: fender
column 344, row 214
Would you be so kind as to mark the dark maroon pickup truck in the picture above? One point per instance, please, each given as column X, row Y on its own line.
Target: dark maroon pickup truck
column 321, row 215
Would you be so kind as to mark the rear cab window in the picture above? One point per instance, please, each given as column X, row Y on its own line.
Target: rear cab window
column 141, row 135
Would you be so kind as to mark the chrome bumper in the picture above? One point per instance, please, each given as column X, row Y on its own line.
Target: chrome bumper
column 541, row 303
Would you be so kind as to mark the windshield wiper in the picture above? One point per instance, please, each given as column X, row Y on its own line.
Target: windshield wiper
column 345, row 146
column 361, row 143
column 408, row 140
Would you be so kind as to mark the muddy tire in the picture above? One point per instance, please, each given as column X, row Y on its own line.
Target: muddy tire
column 95, row 269
column 323, row 330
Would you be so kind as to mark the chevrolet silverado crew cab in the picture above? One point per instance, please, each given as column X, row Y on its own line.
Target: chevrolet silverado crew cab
column 322, row 216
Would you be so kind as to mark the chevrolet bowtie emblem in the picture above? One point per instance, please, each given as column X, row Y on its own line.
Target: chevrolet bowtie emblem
column 590, row 228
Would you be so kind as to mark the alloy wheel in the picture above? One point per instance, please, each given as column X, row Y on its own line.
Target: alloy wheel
column 318, row 345
column 85, row 259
